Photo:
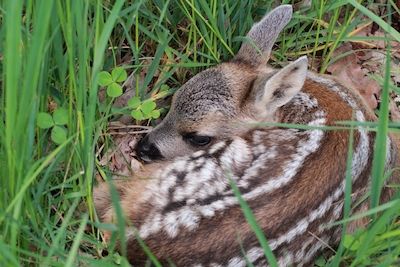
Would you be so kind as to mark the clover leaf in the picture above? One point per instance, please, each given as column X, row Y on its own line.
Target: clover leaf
column 105, row 78
column 60, row 116
column 112, row 81
column 114, row 90
column 134, row 102
column 56, row 122
column 58, row 134
column 155, row 114
column 44, row 120
column 119, row 74
column 137, row 114
column 143, row 109
column 148, row 106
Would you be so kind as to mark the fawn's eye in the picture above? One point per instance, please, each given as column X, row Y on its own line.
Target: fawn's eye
column 197, row 140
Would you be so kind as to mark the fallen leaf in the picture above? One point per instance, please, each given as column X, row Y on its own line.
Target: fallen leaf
column 120, row 158
column 394, row 111
column 350, row 72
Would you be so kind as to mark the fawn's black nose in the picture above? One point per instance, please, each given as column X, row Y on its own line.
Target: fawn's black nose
column 147, row 151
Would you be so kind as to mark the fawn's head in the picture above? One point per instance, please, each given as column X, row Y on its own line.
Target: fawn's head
column 211, row 105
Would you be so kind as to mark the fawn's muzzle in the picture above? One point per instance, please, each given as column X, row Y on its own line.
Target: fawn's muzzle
column 147, row 151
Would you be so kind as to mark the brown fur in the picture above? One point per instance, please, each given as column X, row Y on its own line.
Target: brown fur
column 222, row 103
column 271, row 212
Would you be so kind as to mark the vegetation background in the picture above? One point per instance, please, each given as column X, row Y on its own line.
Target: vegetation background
column 54, row 119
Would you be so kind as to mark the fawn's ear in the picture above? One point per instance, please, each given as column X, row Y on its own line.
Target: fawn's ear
column 271, row 93
column 263, row 35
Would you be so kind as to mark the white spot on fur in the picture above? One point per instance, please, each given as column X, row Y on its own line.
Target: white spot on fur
column 217, row 147
column 254, row 254
column 198, row 153
column 236, row 262
column 253, row 171
column 314, row 249
column 170, row 224
column 207, row 212
column 231, row 156
column 195, row 185
column 190, row 201
column 149, row 228
column 286, row 260
column 188, row 218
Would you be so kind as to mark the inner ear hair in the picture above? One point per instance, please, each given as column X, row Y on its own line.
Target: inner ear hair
column 280, row 88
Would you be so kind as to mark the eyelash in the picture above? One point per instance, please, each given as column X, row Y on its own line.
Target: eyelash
column 197, row 140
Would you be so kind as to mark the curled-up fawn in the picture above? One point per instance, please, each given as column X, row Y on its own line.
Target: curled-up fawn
column 293, row 179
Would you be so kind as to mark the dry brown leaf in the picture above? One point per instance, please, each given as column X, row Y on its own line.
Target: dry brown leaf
column 379, row 34
column 303, row 4
column 349, row 70
column 120, row 159
column 374, row 59
column 394, row 111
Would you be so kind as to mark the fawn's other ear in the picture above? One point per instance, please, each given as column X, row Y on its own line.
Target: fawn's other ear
column 263, row 35
column 270, row 94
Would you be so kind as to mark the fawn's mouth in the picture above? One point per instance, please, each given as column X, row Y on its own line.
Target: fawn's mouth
column 147, row 151
column 144, row 158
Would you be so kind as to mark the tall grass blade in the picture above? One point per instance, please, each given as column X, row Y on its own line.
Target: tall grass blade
column 380, row 148
column 384, row 25
column 254, row 225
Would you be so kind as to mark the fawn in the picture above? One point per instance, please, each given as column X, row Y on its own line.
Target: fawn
column 293, row 179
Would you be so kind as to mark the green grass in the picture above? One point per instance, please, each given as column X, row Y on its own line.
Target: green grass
column 50, row 55
column 254, row 226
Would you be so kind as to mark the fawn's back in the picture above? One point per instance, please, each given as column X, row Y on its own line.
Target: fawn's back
column 292, row 178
